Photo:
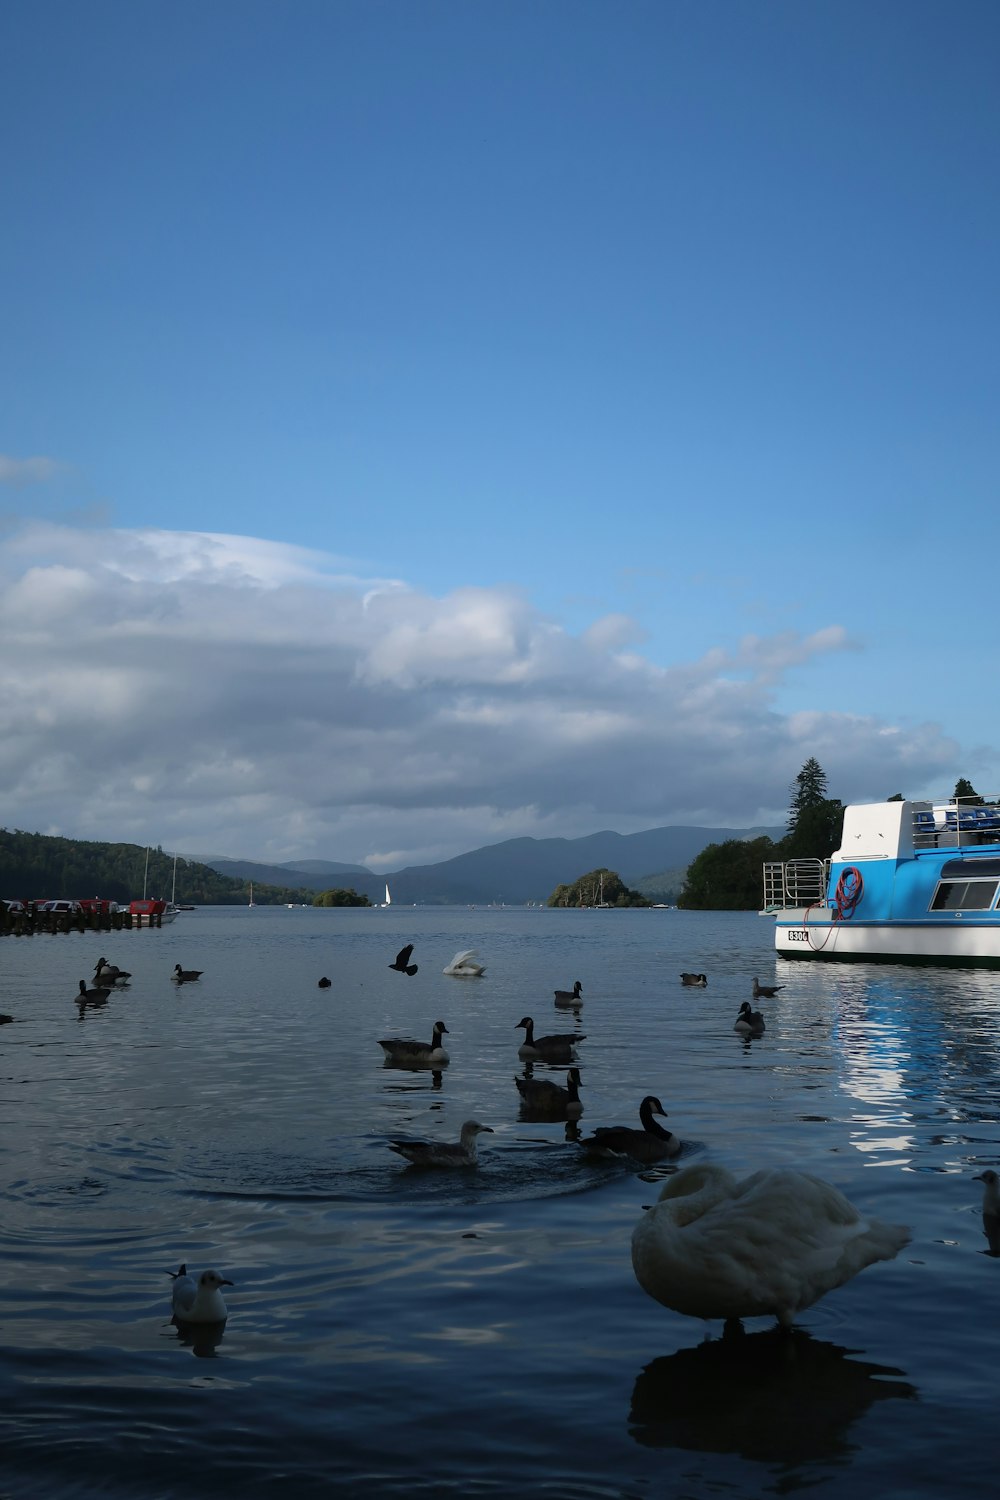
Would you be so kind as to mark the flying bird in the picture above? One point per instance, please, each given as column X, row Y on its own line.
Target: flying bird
column 651, row 1143
column 444, row 1153
column 402, row 961
column 199, row 1301
column 773, row 1244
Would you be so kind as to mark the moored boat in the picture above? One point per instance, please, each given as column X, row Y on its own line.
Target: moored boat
column 912, row 882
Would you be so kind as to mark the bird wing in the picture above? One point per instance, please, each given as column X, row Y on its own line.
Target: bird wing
column 403, row 956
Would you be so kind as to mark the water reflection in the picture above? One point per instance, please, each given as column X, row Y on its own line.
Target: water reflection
column 773, row 1396
column 434, row 1069
column 203, row 1339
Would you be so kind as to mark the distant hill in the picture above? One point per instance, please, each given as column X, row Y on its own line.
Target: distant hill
column 515, row 871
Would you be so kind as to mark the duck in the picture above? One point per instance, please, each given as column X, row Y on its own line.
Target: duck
column 765, row 991
column 105, row 973
column 556, row 1047
column 651, row 1143
column 771, row 1245
column 991, row 1208
column 93, row 996
column 403, row 1050
column 199, row 1301
column 465, row 966
column 402, row 961
column 324, row 983
column 749, row 1021
column 5, row 1020
column 184, row 976
column 544, row 1097
column 464, row 1153
column 699, row 981
column 570, row 997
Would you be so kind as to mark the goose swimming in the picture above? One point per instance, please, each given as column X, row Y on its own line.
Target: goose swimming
column 749, row 1021
column 184, row 976
column 404, row 1050
column 198, row 1301
column 991, row 1208
column 444, row 1153
column 465, row 966
column 765, row 991
column 93, row 996
column 570, row 997
column 700, row 981
column 557, row 1047
column 544, row 1097
column 105, row 973
column 324, row 983
column 773, row 1244
column 651, row 1143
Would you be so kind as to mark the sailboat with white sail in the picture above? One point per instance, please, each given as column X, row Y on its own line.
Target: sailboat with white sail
column 388, row 898
column 252, row 901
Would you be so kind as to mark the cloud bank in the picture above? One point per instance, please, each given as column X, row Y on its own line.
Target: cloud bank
column 228, row 695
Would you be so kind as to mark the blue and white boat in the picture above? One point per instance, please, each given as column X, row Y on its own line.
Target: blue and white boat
column 912, row 882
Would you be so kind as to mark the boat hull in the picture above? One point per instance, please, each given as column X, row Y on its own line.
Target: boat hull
column 959, row 944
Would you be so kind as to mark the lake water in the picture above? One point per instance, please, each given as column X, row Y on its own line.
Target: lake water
column 477, row 1333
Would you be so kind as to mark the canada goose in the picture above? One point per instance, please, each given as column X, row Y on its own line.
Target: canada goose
column 569, row 997
column 198, row 1301
column 105, row 973
column 444, row 1153
column 750, row 1022
column 712, row 1247
column 403, row 1050
column 698, row 980
column 556, row 1047
column 402, row 961
column 651, row 1143
column 184, row 976
column 991, row 1208
column 93, row 995
column 543, row 1097
column 465, row 966
column 765, row 991
column 324, row 983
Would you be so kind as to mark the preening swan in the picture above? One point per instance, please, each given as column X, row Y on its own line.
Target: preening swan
column 749, row 1021
column 465, row 966
column 543, row 1097
column 444, row 1153
column 991, row 1208
column 651, row 1143
column 403, row 1050
column 712, row 1247
column 698, row 980
column 570, row 997
column 199, row 1301
column 556, row 1047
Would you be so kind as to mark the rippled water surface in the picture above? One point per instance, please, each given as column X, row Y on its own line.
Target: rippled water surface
column 394, row 1332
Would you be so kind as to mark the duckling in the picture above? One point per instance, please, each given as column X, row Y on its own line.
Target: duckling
column 198, row 1301
column 750, row 1022
column 543, row 1097
column 651, row 1143
column 556, row 1047
column 700, row 981
column 569, row 997
column 712, row 1247
column 444, row 1153
column 401, row 1050
column 184, row 976
column 765, row 991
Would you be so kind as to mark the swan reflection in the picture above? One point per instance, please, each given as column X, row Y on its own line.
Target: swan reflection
column 775, row 1396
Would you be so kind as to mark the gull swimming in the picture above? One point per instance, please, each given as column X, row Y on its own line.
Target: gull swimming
column 199, row 1301
column 444, row 1153
column 765, row 991
column 773, row 1244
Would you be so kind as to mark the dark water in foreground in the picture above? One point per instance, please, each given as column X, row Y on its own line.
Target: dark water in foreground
column 479, row 1334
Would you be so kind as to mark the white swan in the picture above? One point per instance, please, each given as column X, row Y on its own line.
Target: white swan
column 712, row 1247
column 465, row 966
column 444, row 1153
column 199, row 1301
column 651, row 1143
column 403, row 1050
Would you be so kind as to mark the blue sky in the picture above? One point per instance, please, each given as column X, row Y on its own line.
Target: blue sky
column 640, row 359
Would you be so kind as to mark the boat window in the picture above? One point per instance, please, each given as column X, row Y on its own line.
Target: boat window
column 964, row 895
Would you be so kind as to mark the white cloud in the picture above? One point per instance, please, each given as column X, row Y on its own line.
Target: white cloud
column 216, row 693
column 22, row 471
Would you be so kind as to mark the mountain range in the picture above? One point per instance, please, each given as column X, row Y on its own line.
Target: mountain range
column 513, row 872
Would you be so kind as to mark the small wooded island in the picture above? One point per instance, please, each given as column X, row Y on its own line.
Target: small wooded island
column 599, row 888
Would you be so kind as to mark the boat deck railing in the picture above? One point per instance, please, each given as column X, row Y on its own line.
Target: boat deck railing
column 956, row 823
column 795, row 882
